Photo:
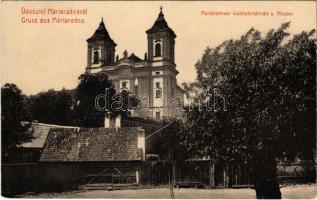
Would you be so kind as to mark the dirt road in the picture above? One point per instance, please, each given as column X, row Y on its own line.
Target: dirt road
column 290, row 192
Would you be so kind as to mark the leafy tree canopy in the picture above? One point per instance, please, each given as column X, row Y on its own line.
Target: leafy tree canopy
column 171, row 146
column 52, row 107
column 269, row 86
column 126, row 101
column 89, row 87
column 14, row 127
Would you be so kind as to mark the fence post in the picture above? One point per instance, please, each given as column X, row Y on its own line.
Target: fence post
column 211, row 174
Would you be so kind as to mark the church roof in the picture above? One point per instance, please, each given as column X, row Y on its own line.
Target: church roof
column 160, row 25
column 101, row 34
column 134, row 58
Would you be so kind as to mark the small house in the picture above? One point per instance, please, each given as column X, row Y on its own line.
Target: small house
column 88, row 156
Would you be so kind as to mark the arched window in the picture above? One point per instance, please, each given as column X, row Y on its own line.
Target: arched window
column 158, row 50
column 96, row 57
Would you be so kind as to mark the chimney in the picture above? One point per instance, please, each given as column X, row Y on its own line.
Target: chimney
column 107, row 120
column 118, row 121
column 141, row 141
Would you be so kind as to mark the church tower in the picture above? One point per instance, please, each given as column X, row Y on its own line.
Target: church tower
column 101, row 49
column 161, row 41
column 161, row 56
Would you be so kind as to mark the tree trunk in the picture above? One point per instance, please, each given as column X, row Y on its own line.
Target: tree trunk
column 267, row 188
column 265, row 178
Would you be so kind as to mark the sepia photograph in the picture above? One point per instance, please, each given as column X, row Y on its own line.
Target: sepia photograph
column 158, row 99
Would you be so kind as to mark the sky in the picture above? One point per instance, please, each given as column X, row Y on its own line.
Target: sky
column 37, row 57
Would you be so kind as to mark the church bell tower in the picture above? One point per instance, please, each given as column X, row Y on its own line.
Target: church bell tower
column 161, row 41
column 101, row 49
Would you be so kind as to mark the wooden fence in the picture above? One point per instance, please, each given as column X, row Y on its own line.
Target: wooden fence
column 301, row 172
column 18, row 178
column 55, row 176
column 34, row 177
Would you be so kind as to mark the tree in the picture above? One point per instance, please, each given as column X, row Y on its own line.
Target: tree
column 169, row 139
column 15, row 130
column 269, row 85
column 53, row 107
column 126, row 102
column 89, row 87
column 170, row 147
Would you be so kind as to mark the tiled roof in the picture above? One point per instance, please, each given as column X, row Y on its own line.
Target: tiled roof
column 92, row 144
column 40, row 132
column 160, row 25
column 101, row 34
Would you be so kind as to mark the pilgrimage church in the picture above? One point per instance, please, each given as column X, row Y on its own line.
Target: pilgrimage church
column 152, row 78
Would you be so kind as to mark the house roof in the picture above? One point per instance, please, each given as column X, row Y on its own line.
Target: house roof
column 101, row 33
column 40, row 132
column 92, row 144
column 160, row 25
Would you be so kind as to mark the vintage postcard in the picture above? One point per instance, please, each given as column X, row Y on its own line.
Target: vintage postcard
column 158, row 99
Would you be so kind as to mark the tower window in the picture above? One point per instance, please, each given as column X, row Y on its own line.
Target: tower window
column 158, row 50
column 96, row 57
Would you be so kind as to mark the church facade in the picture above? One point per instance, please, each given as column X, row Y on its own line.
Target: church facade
column 152, row 79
